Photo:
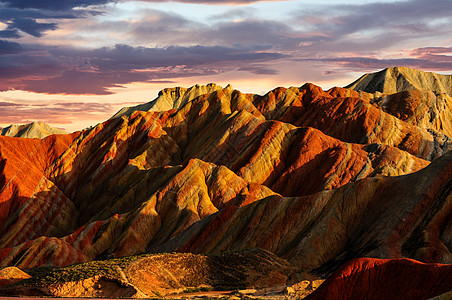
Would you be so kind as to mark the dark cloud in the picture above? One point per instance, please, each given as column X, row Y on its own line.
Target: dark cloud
column 7, row 47
column 31, row 27
column 52, row 4
column 9, row 104
column 22, row 15
column 9, row 34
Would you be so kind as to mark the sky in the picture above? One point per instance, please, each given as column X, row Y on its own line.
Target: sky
column 74, row 63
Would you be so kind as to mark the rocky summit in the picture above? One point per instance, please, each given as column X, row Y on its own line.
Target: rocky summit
column 210, row 190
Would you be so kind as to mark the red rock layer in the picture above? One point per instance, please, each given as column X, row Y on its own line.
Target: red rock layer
column 368, row 278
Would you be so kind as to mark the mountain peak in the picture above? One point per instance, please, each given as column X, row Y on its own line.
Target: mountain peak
column 398, row 79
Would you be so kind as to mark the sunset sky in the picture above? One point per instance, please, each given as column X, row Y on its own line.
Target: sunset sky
column 73, row 63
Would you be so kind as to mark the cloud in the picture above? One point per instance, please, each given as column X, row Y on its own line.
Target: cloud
column 437, row 63
column 213, row 2
column 53, row 112
column 55, row 70
column 431, row 50
column 392, row 23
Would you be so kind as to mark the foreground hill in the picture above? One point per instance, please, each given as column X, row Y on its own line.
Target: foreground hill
column 150, row 276
column 315, row 177
column 32, row 130
column 387, row 279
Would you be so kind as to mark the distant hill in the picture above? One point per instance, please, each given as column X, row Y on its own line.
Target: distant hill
column 420, row 98
column 172, row 98
column 31, row 130
column 398, row 79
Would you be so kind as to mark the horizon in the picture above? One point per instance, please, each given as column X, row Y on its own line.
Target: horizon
column 75, row 66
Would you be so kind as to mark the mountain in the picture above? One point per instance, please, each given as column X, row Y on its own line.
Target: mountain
column 316, row 178
column 398, row 79
column 35, row 130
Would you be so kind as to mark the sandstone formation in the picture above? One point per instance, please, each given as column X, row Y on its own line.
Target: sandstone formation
column 367, row 278
column 398, row 79
column 35, row 130
column 315, row 177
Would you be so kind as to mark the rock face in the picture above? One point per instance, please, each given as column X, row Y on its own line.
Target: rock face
column 398, row 79
column 36, row 130
column 316, row 177
column 367, row 278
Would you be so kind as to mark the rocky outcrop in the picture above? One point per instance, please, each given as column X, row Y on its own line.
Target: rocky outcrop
column 368, row 278
column 398, row 79
column 35, row 130
column 171, row 98
column 10, row 275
